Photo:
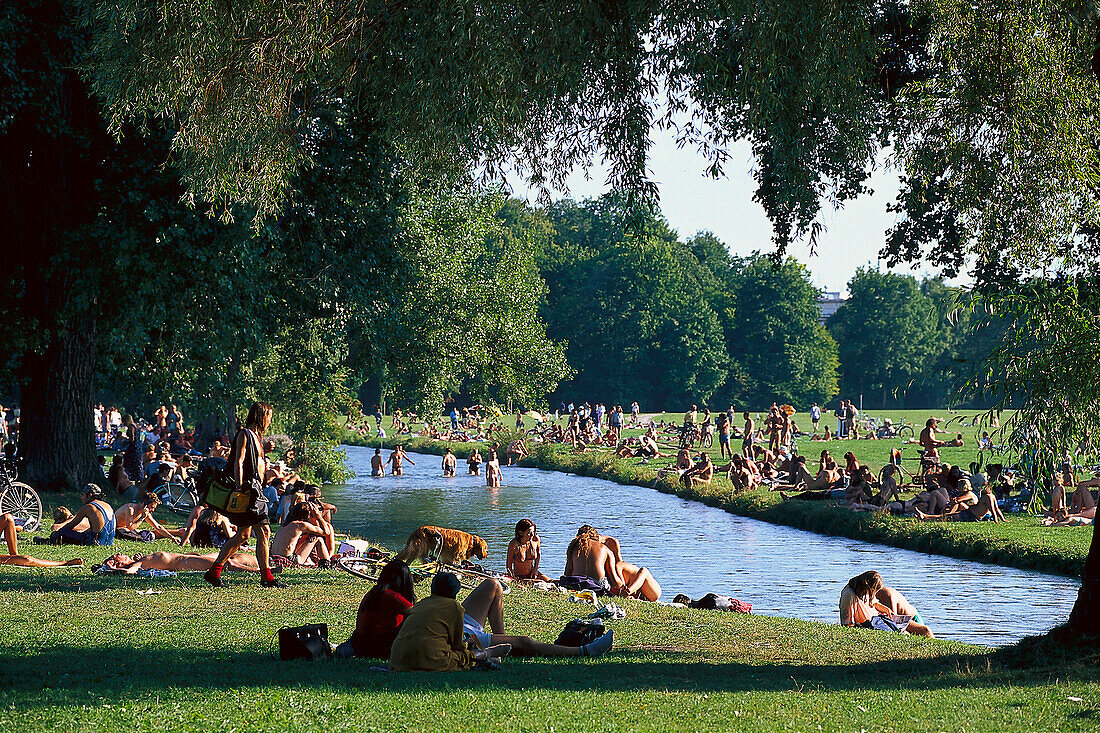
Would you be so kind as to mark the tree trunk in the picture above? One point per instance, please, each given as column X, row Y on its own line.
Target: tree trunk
column 57, row 438
column 1085, row 616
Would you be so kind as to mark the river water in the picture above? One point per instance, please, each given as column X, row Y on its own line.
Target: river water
column 694, row 549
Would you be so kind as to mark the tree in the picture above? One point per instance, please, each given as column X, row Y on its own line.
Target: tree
column 786, row 354
column 648, row 333
column 888, row 334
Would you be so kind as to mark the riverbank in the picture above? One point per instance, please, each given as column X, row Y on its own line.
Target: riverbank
column 1020, row 542
column 85, row 652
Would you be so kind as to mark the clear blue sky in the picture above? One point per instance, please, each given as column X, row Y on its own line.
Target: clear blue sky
column 693, row 202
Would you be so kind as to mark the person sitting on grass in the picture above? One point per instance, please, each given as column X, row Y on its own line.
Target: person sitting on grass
column 597, row 557
column 206, row 527
column 739, row 473
column 964, row 510
column 432, row 638
column 381, row 613
column 93, row 523
column 178, row 562
column 9, row 528
column 129, row 517
column 306, row 540
column 484, row 607
column 860, row 605
column 525, row 553
column 700, row 473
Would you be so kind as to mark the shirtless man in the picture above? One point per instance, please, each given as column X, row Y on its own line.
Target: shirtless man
column 928, row 440
column 178, row 562
column 739, row 474
column 516, row 449
column 683, row 460
column 747, row 435
column 473, row 463
column 130, row 516
column 449, row 462
column 377, row 465
column 9, row 528
column 304, row 532
column 700, row 474
column 590, row 554
column 218, row 449
column 860, row 605
column 93, row 523
column 525, row 553
column 722, row 425
column 773, row 424
column 396, row 457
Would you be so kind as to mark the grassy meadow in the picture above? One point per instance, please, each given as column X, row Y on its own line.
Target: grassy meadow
column 85, row 652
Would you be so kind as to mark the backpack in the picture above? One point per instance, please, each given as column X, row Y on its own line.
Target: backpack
column 581, row 631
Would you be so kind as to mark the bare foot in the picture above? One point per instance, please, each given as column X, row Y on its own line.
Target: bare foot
column 73, row 563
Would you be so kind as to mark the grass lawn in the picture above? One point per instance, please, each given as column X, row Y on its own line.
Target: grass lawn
column 84, row 652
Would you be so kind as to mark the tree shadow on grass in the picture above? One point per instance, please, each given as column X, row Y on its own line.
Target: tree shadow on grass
column 61, row 674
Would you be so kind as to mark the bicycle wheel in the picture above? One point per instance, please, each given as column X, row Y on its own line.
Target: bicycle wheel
column 471, row 577
column 708, row 440
column 361, row 567
column 179, row 497
column 905, row 432
column 22, row 502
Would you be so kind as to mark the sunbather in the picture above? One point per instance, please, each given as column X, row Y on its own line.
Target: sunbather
column 860, row 606
column 178, row 562
column 9, row 529
column 129, row 517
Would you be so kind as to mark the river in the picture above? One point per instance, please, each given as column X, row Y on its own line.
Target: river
column 694, row 549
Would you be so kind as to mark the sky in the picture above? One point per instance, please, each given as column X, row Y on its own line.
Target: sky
column 692, row 202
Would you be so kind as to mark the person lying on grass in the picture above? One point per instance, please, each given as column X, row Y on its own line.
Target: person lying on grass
column 432, row 639
column 178, row 562
column 129, row 517
column 8, row 530
column 866, row 602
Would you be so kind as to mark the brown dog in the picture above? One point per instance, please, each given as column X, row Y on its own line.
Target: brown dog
column 456, row 546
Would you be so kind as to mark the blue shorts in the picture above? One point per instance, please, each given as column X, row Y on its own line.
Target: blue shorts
column 723, row 439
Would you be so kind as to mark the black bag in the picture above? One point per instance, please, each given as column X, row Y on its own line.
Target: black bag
column 581, row 631
column 304, row 642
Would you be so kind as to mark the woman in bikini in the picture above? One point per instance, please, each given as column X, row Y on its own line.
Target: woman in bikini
column 525, row 552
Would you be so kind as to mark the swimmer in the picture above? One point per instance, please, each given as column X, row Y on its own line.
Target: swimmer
column 377, row 465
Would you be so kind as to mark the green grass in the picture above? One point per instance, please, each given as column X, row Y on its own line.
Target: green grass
column 82, row 652
column 1020, row 542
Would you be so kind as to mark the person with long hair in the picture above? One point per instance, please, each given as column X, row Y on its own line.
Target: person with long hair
column 247, row 467
column 525, row 552
column 866, row 601
column 598, row 557
column 381, row 613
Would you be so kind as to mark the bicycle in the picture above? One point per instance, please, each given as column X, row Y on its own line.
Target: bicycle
column 20, row 501
column 180, row 497
column 469, row 574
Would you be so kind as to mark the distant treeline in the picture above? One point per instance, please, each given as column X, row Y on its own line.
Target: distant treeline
column 650, row 317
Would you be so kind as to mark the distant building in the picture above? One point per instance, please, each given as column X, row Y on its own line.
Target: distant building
column 829, row 303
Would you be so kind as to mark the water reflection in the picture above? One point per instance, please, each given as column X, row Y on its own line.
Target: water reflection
column 693, row 548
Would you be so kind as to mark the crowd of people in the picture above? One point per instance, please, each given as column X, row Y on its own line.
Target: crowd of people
column 438, row 632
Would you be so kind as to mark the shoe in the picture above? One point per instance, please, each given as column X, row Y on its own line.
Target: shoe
column 214, row 580
column 273, row 583
column 599, row 646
